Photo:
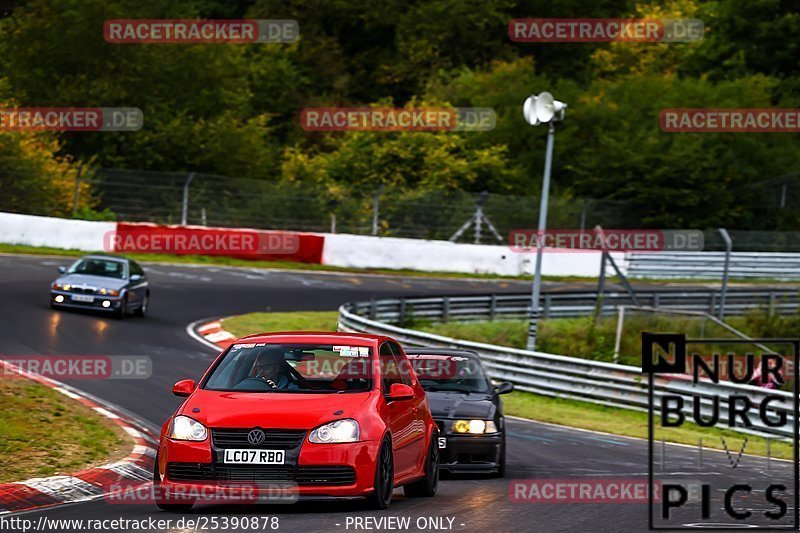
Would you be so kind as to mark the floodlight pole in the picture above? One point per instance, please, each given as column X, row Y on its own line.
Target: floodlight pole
column 537, row 276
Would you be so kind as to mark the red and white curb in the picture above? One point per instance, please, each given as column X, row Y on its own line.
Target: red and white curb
column 91, row 483
column 212, row 334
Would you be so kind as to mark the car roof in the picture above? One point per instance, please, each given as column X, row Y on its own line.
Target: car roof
column 441, row 351
column 315, row 336
column 106, row 257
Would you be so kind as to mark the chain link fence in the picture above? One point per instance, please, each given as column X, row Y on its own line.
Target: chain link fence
column 203, row 199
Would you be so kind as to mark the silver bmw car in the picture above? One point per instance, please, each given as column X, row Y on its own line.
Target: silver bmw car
column 103, row 283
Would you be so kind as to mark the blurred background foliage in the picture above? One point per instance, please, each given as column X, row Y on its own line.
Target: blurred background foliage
column 232, row 110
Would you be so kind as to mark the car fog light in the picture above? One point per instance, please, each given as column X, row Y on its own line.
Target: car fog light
column 106, row 303
column 59, row 298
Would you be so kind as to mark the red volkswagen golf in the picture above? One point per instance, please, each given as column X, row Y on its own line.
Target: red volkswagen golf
column 329, row 414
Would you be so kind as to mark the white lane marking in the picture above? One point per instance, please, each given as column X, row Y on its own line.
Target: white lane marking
column 105, row 412
column 190, row 331
column 63, row 487
column 219, row 336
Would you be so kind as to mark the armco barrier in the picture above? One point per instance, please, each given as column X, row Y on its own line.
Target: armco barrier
column 554, row 375
column 710, row 265
column 572, row 304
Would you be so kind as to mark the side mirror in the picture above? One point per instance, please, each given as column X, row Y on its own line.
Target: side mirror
column 400, row 391
column 62, row 270
column 184, row 387
column 136, row 277
column 504, row 388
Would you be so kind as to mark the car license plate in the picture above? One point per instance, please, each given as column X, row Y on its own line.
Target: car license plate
column 442, row 442
column 254, row 457
column 82, row 298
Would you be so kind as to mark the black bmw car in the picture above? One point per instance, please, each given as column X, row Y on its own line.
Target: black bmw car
column 103, row 283
column 466, row 407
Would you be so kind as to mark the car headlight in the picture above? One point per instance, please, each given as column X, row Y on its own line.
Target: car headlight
column 345, row 430
column 61, row 286
column 474, row 427
column 108, row 292
column 185, row 428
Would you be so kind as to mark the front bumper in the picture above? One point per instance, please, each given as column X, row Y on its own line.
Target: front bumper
column 313, row 470
column 97, row 303
column 464, row 453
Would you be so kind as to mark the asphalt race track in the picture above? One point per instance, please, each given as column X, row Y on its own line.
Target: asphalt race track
column 184, row 294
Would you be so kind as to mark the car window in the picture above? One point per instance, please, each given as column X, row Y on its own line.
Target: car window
column 136, row 269
column 99, row 267
column 303, row 368
column 403, row 365
column 389, row 370
column 450, row 373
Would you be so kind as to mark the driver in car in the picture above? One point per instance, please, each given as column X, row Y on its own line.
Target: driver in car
column 268, row 369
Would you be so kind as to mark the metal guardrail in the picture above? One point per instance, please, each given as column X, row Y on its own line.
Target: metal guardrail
column 710, row 265
column 571, row 304
column 570, row 377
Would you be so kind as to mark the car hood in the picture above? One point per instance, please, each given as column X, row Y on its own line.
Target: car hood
column 100, row 282
column 461, row 405
column 217, row 409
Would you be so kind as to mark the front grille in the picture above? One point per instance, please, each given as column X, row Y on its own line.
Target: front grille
column 326, row 475
column 440, row 425
column 276, row 439
column 190, row 472
column 83, row 290
column 255, row 474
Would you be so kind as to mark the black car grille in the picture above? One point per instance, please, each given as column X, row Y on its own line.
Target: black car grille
column 325, row 475
column 249, row 474
column 440, row 425
column 83, row 290
column 275, row 439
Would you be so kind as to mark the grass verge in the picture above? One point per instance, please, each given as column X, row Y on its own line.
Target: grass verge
column 533, row 406
column 43, row 432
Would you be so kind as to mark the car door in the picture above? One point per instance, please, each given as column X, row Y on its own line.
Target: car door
column 137, row 288
column 401, row 417
column 419, row 406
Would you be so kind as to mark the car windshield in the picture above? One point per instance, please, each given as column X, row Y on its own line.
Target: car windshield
column 99, row 267
column 449, row 373
column 292, row 368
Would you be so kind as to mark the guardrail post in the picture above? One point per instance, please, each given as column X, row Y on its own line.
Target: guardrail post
column 493, row 307
column 402, row 311
column 373, row 311
column 771, row 303
column 656, row 299
column 712, row 307
column 728, row 247
column 547, row 301
column 445, row 309
column 185, row 203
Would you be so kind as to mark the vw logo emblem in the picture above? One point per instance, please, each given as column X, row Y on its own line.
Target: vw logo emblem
column 256, row 437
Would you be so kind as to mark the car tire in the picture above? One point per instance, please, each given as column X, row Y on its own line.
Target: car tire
column 426, row 487
column 160, row 503
column 123, row 305
column 142, row 311
column 501, row 461
column 383, row 486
